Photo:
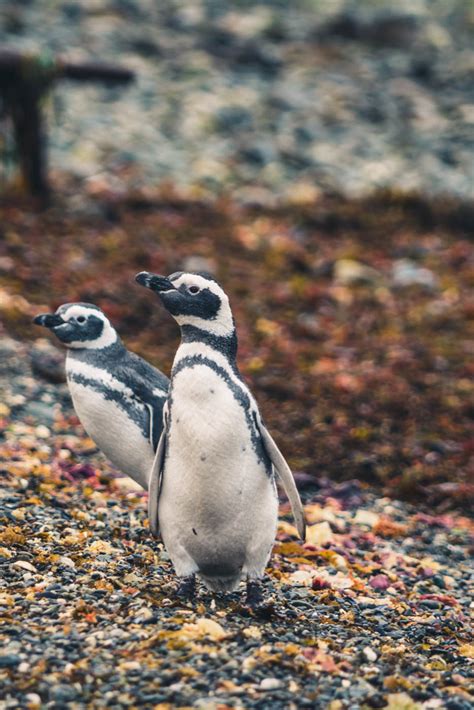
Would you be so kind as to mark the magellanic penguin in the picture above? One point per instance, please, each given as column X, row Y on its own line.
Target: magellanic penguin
column 212, row 485
column 117, row 395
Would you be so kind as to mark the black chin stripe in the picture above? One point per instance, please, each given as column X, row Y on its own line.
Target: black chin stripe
column 226, row 345
column 240, row 395
column 106, row 358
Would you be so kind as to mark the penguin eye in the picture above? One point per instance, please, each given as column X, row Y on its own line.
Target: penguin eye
column 81, row 319
column 194, row 289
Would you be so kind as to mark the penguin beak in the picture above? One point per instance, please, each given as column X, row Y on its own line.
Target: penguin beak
column 48, row 320
column 155, row 282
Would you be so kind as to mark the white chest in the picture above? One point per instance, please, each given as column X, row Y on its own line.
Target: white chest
column 211, row 462
column 119, row 437
column 208, row 423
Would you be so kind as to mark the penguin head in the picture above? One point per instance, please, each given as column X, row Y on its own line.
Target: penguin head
column 193, row 299
column 79, row 325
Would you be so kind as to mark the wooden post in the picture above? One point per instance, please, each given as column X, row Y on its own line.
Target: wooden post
column 24, row 81
column 30, row 138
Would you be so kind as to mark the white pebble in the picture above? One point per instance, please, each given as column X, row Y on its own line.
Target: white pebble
column 22, row 564
column 270, row 684
column 370, row 654
column 33, row 700
column 67, row 562
column 42, row 432
column 130, row 666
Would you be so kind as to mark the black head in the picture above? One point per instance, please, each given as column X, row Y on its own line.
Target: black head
column 79, row 325
column 194, row 299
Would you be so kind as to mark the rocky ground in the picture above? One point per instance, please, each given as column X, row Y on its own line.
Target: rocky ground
column 266, row 100
column 373, row 611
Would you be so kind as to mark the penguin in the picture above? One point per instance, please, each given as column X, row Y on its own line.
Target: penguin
column 117, row 395
column 212, row 485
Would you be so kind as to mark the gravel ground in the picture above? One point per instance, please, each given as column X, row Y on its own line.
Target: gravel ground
column 373, row 611
column 267, row 99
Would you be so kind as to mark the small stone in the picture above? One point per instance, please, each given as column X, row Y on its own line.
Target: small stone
column 252, row 632
column 270, row 684
column 319, row 534
column 62, row 693
column 42, row 432
column 380, row 581
column 301, row 578
column 130, row 666
column 101, row 547
column 132, row 578
column 406, row 273
column 366, row 517
column 33, row 700
column 22, row 564
column 4, row 410
column 369, row 654
column 126, row 484
column 205, row 628
column 67, row 562
column 348, row 272
column 430, row 604
column 143, row 615
column 9, row 661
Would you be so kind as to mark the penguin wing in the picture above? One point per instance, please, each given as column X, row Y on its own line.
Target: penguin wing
column 150, row 386
column 154, row 482
column 283, row 472
column 155, row 427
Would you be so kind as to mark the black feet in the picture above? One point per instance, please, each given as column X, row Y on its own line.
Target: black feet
column 187, row 587
column 254, row 593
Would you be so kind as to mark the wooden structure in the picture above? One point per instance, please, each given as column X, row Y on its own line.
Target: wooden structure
column 24, row 81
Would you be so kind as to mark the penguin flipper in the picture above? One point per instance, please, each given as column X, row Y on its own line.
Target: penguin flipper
column 154, row 484
column 155, row 424
column 285, row 475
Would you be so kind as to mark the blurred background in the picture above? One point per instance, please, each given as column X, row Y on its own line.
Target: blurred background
column 317, row 156
column 310, row 95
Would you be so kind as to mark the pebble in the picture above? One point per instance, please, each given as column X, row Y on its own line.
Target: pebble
column 348, row 272
column 42, row 432
column 319, row 534
column 430, row 604
column 23, row 564
column 270, row 684
column 67, row 562
column 33, row 700
column 130, row 666
column 9, row 661
column 62, row 693
column 369, row 654
column 407, row 273
column 366, row 517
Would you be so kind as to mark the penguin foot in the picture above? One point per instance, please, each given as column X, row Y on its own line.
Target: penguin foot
column 187, row 587
column 254, row 593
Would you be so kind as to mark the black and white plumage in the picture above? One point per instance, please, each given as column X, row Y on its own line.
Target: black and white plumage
column 117, row 395
column 212, row 485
